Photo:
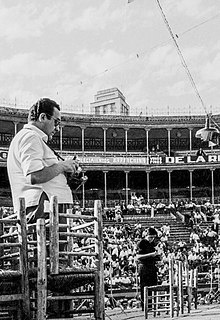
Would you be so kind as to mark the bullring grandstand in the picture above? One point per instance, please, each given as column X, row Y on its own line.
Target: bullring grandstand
column 148, row 171
column 156, row 157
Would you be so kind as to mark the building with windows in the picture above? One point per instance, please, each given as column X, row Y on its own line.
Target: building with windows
column 153, row 156
column 110, row 102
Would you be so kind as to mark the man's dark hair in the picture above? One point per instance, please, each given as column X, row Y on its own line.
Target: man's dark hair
column 152, row 231
column 44, row 105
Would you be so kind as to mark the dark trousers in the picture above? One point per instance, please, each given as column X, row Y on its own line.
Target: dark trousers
column 148, row 277
column 36, row 212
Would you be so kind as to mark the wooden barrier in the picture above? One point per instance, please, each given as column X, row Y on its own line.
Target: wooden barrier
column 42, row 271
column 178, row 293
column 164, row 298
column 15, row 301
column 60, row 281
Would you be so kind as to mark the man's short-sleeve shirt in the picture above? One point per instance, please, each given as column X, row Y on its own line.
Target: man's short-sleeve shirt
column 28, row 153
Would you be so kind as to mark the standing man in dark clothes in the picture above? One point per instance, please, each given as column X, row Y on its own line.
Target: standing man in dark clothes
column 147, row 257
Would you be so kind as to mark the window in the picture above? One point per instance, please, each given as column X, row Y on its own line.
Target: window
column 97, row 110
column 113, row 107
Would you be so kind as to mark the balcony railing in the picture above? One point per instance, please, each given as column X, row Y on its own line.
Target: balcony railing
column 5, row 139
column 114, row 144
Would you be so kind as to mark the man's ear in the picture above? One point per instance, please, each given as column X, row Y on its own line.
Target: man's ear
column 42, row 117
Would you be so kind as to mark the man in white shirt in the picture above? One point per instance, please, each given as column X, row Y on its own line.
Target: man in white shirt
column 166, row 229
column 34, row 171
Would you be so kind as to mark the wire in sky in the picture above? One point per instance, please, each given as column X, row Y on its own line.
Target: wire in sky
column 141, row 54
column 201, row 23
column 183, row 61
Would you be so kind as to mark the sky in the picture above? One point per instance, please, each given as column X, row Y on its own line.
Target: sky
column 68, row 50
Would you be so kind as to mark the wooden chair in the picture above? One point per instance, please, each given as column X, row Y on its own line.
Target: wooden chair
column 14, row 284
column 180, row 292
column 60, row 292
column 163, row 298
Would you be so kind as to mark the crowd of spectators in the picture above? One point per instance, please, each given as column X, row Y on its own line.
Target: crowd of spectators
column 192, row 212
column 121, row 267
column 120, row 240
column 202, row 249
column 137, row 206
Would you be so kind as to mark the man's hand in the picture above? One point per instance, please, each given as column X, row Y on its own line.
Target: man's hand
column 69, row 165
column 48, row 173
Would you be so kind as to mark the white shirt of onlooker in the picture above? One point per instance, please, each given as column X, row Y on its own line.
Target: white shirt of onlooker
column 29, row 153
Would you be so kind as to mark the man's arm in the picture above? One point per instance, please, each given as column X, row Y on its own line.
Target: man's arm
column 31, row 154
column 147, row 255
column 48, row 173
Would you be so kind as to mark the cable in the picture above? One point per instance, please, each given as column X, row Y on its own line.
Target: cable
column 201, row 23
column 139, row 54
column 181, row 57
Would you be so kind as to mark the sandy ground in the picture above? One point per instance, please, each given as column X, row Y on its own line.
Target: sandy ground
column 204, row 312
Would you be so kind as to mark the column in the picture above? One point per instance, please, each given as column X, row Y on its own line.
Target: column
column 16, row 127
column 170, row 186
column 104, row 137
column 147, row 140
column 105, row 188
column 213, row 185
column 126, row 140
column 148, row 185
column 61, row 139
column 83, row 192
column 83, row 139
column 190, row 183
column 168, row 137
column 126, row 187
column 190, row 139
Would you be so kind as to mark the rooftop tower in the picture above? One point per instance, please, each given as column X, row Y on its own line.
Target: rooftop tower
column 110, row 102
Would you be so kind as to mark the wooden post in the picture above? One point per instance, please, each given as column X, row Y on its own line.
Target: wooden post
column 180, row 286
column 42, row 270
column 188, row 288
column 191, row 273
column 22, row 235
column 154, row 301
column 146, row 302
column 1, row 240
column 99, row 302
column 177, row 306
column 171, row 287
column 70, row 241
column 195, row 287
column 54, row 236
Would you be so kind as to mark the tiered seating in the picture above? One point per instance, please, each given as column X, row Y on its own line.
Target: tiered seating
column 177, row 229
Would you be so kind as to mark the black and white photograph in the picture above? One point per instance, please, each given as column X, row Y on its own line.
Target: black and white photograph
column 109, row 159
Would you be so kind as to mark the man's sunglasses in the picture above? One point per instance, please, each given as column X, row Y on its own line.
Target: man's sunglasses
column 57, row 122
